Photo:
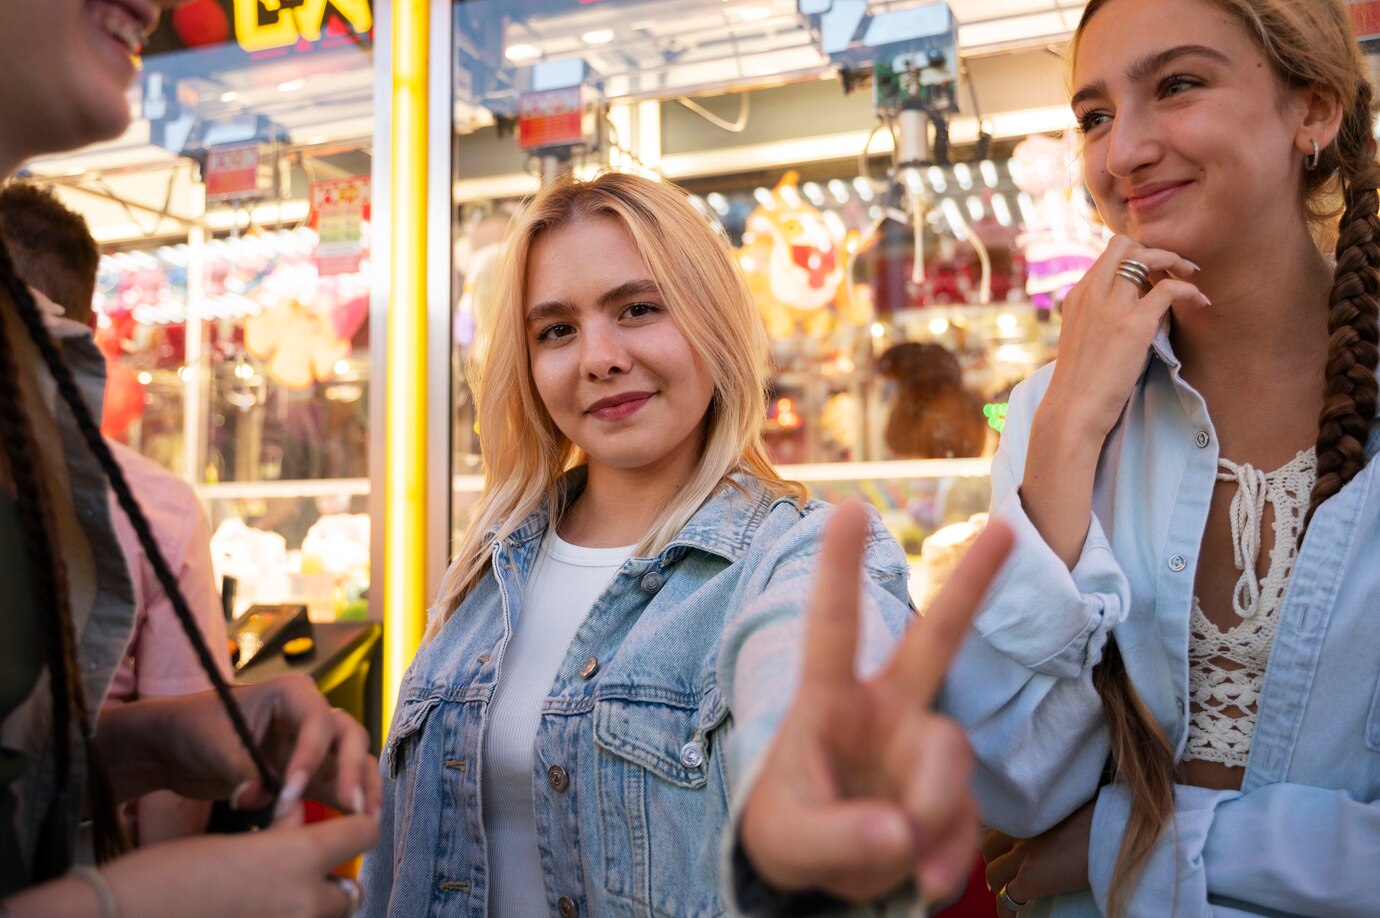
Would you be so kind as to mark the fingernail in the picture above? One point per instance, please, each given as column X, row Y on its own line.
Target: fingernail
column 237, row 793
column 359, row 800
column 290, row 794
column 1205, row 299
column 1192, row 265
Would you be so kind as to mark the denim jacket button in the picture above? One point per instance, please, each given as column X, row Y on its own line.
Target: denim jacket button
column 557, row 778
column 566, row 907
column 1203, row 439
column 590, row 668
column 692, row 755
column 652, row 581
column 1177, row 563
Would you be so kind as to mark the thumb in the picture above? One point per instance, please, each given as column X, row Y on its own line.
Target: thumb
column 853, row 848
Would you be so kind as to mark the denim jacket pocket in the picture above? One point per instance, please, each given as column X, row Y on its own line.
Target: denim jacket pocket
column 662, row 800
column 411, row 717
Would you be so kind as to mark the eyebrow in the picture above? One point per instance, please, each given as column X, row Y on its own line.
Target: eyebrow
column 550, row 309
column 1147, row 66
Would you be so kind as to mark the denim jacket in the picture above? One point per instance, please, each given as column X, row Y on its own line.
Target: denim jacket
column 665, row 701
column 1302, row 835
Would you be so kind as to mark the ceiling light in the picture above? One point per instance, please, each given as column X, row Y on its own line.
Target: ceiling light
column 229, row 96
column 517, row 53
column 753, row 13
column 597, row 37
column 292, row 85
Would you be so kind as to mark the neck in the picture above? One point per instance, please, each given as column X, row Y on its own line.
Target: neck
column 619, row 506
column 1269, row 311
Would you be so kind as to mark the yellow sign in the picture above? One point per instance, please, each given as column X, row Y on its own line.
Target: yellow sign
column 287, row 25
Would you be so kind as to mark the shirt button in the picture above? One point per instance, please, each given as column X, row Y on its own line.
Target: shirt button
column 590, row 668
column 1203, row 438
column 692, row 755
column 1177, row 563
column 652, row 581
column 566, row 907
column 557, row 778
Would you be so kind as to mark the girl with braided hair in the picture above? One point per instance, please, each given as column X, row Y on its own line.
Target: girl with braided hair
column 66, row 608
column 1172, row 690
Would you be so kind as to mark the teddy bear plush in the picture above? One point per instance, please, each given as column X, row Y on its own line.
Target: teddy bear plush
column 932, row 416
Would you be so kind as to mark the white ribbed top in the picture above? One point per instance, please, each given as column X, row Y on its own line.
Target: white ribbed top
column 566, row 580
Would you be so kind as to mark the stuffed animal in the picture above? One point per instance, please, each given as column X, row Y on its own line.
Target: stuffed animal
column 933, row 415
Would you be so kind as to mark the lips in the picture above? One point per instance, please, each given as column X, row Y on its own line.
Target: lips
column 1147, row 197
column 126, row 21
column 618, row 407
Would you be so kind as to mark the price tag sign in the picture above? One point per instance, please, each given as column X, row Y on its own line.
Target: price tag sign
column 339, row 208
column 550, row 119
column 232, row 172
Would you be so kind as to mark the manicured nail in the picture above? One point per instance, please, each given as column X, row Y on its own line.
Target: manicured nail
column 1192, row 265
column 290, row 794
column 237, row 793
column 359, row 800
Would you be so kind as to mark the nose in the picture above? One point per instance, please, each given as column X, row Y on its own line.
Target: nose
column 1133, row 143
column 603, row 352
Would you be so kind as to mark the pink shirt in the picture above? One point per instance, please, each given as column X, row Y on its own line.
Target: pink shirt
column 159, row 661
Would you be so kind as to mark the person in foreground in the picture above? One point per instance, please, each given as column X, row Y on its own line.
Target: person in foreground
column 67, row 607
column 1172, row 689
column 599, row 720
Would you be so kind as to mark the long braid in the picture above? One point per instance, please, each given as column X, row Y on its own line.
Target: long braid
column 1350, row 391
column 50, row 585
column 29, row 314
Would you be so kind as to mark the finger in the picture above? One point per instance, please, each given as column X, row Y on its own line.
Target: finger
column 1156, row 260
column 1168, row 292
column 919, row 663
column 315, row 739
column 1002, row 871
column 353, row 761
column 857, row 849
column 994, row 844
column 339, row 897
column 831, row 624
column 936, row 764
column 340, row 839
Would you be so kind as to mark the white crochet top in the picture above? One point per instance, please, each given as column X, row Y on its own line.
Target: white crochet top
column 1226, row 669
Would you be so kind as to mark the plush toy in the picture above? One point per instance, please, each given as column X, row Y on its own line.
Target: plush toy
column 1058, row 243
column 794, row 264
column 933, row 415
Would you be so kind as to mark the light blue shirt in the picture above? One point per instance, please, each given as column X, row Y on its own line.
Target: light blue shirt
column 1302, row 836
column 651, row 731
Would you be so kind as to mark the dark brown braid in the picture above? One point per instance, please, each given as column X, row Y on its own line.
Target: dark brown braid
column 1350, row 393
column 28, row 313
column 33, row 506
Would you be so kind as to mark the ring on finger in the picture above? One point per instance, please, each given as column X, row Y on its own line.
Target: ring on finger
column 1007, row 902
column 351, row 890
column 1136, row 272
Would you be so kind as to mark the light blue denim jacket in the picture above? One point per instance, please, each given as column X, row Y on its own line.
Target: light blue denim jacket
column 697, row 652
column 1302, row 836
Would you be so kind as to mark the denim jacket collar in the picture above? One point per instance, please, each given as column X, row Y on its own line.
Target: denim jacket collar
column 723, row 525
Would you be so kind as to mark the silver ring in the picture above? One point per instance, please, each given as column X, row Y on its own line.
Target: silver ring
column 1135, row 272
column 351, row 889
column 1007, row 902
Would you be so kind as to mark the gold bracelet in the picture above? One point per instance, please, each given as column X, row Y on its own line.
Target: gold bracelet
column 109, row 907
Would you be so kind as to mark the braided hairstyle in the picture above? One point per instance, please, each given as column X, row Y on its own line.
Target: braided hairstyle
column 33, row 505
column 1309, row 43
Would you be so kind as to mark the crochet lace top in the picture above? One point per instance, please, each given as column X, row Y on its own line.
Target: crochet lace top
column 1226, row 668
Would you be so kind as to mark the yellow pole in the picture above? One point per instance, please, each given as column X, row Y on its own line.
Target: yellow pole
column 404, row 558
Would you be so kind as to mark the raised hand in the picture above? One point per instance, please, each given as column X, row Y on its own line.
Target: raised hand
column 864, row 787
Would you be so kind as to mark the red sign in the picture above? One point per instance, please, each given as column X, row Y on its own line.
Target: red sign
column 553, row 118
column 232, row 172
column 1365, row 17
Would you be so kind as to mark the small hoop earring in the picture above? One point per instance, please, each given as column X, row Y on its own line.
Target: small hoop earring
column 1311, row 162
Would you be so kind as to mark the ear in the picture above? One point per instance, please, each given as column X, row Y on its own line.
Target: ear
column 1320, row 119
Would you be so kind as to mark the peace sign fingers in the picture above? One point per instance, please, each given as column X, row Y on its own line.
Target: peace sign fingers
column 831, row 622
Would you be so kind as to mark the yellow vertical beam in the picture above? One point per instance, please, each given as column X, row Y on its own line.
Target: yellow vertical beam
column 404, row 558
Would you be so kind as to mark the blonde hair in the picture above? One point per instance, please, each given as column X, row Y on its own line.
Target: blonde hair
column 526, row 456
column 1309, row 43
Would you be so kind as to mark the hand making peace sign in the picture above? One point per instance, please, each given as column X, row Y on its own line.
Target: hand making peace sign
column 864, row 786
